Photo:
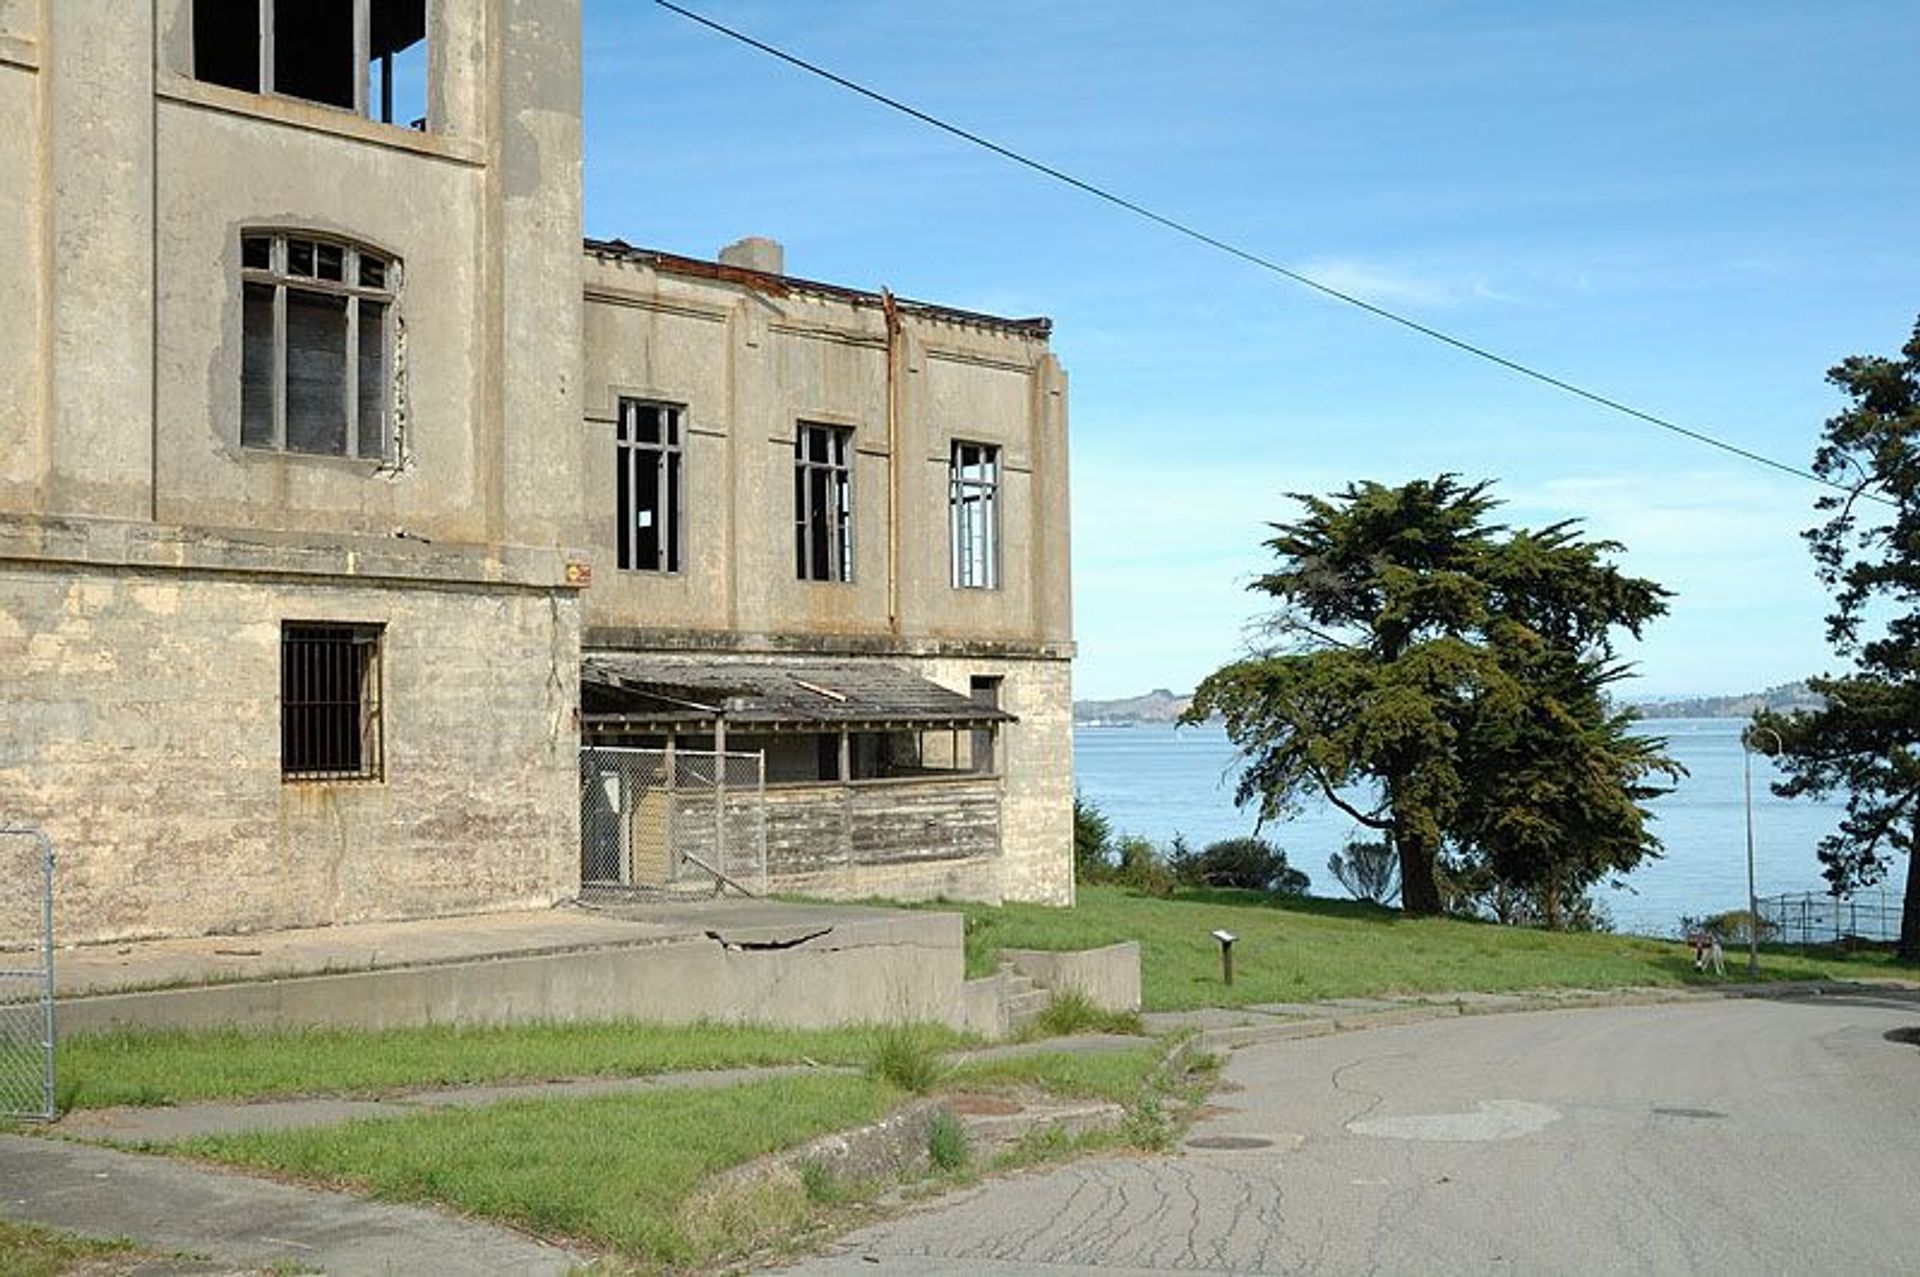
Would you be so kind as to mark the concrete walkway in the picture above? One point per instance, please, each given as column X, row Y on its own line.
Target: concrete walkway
column 247, row 1222
column 1225, row 1028
column 162, row 1124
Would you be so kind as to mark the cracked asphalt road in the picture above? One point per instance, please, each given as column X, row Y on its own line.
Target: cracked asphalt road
column 1726, row 1137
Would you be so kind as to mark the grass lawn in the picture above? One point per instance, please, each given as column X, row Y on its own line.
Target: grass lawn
column 1120, row 1076
column 173, row 1067
column 1294, row 950
column 26, row 1251
column 635, row 1174
column 616, row 1172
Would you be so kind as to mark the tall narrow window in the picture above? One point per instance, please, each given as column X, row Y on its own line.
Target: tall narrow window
column 315, row 347
column 973, row 506
column 985, row 690
column 330, row 702
column 647, row 486
column 823, row 503
column 360, row 55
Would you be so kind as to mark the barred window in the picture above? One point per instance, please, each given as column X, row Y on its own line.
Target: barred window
column 823, row 503
column 316, row 346
column 330, row 702
column 647, row 487
column 973, row 507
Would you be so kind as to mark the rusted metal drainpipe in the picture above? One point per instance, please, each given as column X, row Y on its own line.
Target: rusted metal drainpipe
column 891, row 310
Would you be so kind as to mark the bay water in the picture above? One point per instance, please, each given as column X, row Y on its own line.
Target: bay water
column 1158, row 781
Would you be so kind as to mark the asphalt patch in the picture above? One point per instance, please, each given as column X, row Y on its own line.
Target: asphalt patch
column 1228, row 1142
column 1906, row 1037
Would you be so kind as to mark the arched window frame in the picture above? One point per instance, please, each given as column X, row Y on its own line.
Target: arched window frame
column 311, row 302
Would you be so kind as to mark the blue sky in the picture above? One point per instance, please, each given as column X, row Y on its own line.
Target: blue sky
column 1694, row 207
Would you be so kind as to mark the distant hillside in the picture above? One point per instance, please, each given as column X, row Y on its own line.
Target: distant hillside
column 1163, row 706
column 1784, row 699
column 1157, row 706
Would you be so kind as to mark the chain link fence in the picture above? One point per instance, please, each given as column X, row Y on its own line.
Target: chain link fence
column 26, row 972
column 1814, row 917
column 670, row 823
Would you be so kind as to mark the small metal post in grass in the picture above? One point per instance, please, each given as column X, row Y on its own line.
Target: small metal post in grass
column 1226, row 939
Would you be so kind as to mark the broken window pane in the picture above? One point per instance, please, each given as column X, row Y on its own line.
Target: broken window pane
column 316, row 373
column 310, row 50
column 647, row 482
column 823, row 503
column 329, row 261
column 313, row 51
column 373, row 379
column 397, row 73
column 973, row 495
column 226, row 43
column 671, row 518
column 298, row 381
column 256, row 366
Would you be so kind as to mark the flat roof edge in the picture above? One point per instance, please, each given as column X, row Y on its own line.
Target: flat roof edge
column 782, row 285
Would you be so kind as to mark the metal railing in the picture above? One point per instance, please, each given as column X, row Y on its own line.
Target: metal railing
column 1815, row 917
column 26, row 972
column 669, row 822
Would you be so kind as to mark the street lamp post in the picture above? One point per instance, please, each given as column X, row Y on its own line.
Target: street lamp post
column 1753, row 901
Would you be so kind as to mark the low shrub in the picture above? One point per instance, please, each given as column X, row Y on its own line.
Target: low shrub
column 1250, row 864
column 947, row 1146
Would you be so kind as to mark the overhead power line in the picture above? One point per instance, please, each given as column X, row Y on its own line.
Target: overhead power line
column 1255, row 259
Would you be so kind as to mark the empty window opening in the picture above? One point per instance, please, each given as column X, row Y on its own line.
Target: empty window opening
column 330, row 702
column 368, row 56
column 316, row 347
column 823, row 503
column 648, row 471
column 985, row 690
column 973, row 506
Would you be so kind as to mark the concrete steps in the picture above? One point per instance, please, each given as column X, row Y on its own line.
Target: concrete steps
column 1004, row 1003
column 1022, row 1001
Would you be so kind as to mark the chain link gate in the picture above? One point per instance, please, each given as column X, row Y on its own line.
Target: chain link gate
column 672, row 822
column 26, row 972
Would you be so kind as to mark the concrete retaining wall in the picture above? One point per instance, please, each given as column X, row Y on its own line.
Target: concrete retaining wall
column 889, row 969
column 1109, row 977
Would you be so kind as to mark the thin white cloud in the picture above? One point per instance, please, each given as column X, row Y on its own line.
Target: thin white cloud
column 1385, row 285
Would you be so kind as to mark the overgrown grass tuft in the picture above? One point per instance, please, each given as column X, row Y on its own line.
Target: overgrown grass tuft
column 907, row 1056
column 621, row 1172
column 1305, row 949
column 1070, row 1011
column 173, row 1067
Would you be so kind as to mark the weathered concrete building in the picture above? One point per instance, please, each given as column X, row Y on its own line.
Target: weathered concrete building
column 325, row 454
column 827, row 506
